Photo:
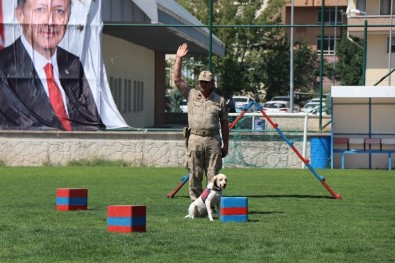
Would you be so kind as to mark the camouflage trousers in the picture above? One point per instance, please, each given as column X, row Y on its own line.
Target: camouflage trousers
column 203, row 157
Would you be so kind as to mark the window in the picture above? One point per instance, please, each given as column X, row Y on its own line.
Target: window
column 332, row 16
column 385, row 7
column 392, row 43
column 138, row 96
column 361, row 5
column 128, row 95
column 329, row 45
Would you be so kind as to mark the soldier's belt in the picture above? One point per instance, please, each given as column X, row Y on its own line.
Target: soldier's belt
column 204, row 132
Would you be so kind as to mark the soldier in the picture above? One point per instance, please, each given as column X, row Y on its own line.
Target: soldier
column 207, row 121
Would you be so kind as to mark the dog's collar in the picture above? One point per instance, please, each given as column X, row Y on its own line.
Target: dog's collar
column 216, row 188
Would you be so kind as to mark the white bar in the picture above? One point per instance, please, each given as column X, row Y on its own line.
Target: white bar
column 363, row 92
column 288, row 114
column 304, row 139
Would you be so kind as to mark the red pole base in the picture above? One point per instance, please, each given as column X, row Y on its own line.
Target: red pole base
column 336, row 196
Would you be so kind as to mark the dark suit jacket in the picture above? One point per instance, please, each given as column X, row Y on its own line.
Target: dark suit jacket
column 24, row 105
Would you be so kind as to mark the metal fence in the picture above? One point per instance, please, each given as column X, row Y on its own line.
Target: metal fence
column 348, row 49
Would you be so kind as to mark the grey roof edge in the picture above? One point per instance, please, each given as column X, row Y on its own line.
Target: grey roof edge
column 178, row 15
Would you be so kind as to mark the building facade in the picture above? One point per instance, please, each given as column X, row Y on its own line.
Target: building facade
column 135, row 42
column 380, row 38
column 309, row 13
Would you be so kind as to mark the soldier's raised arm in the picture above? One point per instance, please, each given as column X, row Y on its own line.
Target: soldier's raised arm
column 181, row 52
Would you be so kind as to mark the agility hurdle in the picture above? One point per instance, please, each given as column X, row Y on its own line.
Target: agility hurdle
column 184, row 179
column 289, row 142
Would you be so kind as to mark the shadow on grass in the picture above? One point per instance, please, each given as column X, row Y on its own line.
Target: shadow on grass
column 262, row 213
column 287, row 196
column 272, row 196
column 265, row 212
column 179, row 196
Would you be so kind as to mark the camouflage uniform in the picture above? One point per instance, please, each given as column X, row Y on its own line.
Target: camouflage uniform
column 205, row 143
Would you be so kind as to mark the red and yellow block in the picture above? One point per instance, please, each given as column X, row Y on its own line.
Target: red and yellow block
column 126, row 218
column 71, row 199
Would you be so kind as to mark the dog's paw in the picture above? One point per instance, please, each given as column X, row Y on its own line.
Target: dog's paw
column 189, row 216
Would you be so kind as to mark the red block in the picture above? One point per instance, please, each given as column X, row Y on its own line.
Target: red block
column 71, row 207
column 234, row 211
column 69, row 199
column 126, row 229
column 126, row 218
column 126, row 210
column 71, row 192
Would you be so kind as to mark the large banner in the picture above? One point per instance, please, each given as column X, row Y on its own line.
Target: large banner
column 51, row 67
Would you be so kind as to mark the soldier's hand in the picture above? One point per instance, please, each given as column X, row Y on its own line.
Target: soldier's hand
column 182, row 50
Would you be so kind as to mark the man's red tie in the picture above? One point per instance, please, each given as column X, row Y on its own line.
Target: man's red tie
column 55, row 98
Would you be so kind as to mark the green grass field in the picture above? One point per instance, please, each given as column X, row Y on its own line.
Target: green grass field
column 292, row 217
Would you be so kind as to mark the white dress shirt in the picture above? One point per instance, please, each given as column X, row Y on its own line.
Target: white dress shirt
column 39, row 63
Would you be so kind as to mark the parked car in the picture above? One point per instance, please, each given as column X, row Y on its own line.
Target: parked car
column 184, row 105
column 230, row 105
column 276, row 106
column 241, row 102
column 317, row 100
column 281, row 98
column 313, row 107
column 288, row 99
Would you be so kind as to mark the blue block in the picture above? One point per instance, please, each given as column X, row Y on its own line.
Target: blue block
column 234, row 209
column 126, row 221
column 234, row 202
column 71, row 201
column 234, row 218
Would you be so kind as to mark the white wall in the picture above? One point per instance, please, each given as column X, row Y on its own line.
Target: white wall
column 377, row 61
column 128, row 61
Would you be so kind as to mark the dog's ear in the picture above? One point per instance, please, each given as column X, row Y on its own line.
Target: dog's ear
column 214, row 179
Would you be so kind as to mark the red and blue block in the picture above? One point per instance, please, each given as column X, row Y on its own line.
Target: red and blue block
column 234, row 209
column 71, row 199
column 126, row 218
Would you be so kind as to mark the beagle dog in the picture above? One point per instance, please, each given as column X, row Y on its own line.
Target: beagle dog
column 209, row 199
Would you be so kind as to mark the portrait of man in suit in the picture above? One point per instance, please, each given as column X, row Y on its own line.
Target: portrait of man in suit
column 43, row 86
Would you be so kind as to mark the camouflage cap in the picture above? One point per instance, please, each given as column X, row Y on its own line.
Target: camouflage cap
column 205, row 76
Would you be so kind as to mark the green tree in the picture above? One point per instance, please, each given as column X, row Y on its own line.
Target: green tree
column 256, row 57
column 175, row 100
column 349, row 67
